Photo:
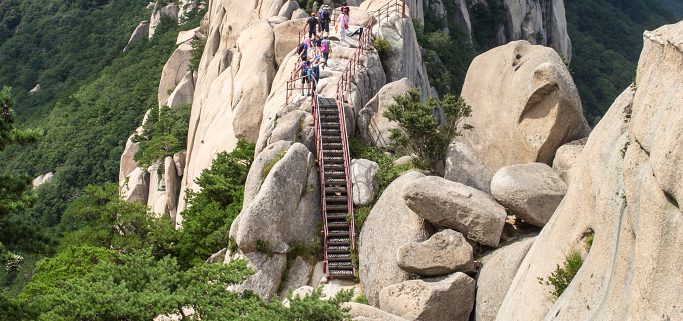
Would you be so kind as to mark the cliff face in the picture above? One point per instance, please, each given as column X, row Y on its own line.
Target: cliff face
column 626, row 188
column 540, row 22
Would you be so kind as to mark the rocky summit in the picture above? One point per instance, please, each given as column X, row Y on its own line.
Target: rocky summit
column 367, row 160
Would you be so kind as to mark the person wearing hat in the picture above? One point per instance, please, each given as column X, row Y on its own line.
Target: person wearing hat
column 312, row 23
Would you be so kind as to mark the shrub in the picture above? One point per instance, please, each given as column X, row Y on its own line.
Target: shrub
column 210, row 212
column 563, row 275
column 383, row 50
column 164, row 134
column 421, row 132
column 197, row 52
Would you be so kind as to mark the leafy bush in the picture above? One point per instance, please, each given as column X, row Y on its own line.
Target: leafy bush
column 563, row 275
column 383, row 50
column 197, row 52
column 421, row 132
column 100, row 217
column 164, row 134
column 210, row 212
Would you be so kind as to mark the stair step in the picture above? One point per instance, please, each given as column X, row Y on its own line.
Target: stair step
column 330, row 116
column 339, row 241
column 333, row 160
column 335, row 189
column 338, row 249
column 335, row 174
column 341, row 273
column 341, row 265
column 336, row 257
column 337, row 216
column 335, row 138
column 338, row 224
column 336, row 199
column 338, row 233
column 332, row 152
column 332, row 144
column 336, row 207
column 329, row 124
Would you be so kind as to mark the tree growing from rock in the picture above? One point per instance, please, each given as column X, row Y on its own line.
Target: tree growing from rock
column 427, row 129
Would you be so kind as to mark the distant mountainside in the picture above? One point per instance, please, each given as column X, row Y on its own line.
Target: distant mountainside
column 607, row 37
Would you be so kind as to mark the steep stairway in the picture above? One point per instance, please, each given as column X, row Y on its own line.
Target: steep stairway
column 333, row 157
column 336, row 191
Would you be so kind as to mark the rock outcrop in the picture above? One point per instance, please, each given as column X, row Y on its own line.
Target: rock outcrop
column 288, row 8
column 174, row 72
column 285, row 210
column 364, row 181
column 438, row 299
column 531, row 191
column 463, row 166
column 362, row 312
column 405, row 55
column 169, row 11
column 389, row 225
column 374, row 128
column 539, row 22
column 566, row 157
column 626, row 188
column 443, row 253
column 524, row 105
column 42, row 179
column 453, row 205
column 268, row 273
column 140, row 32
column 494, row 278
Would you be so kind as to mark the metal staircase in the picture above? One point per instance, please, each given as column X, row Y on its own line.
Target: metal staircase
column 338, row 230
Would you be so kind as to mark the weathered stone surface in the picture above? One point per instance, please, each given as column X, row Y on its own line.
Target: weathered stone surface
column 405, row 57
column 183, row 92
column 186, row 35
column 287, row 38
column 543, row 23
column 362, row 312
column 495, row 277
column 389, row 225
column 231, row 87
column 626, row 188
column 179, row 160
column 299, row 14
column 286, row 207
column 443, row 253
column 524, row 105
column 170, row 10
column 42, row 179
column 566, row 157
column 463, row 166
column 403, row 160
column 135, row 186
column 299, row 275
column 157, row 197
column 140, row 32
column 174, row 71
column 268, row 274
column 35, row 89
column 373, row 126
column 465, row 209
column 268, row 157
column 364, row 181
column 414, row 10
column 437, row 299
column 127, row 163
column 288, row 8
column 172, row 186
column 531, row 191
column 462, row 18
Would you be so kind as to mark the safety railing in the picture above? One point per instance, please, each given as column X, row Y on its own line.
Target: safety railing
column 342, row 96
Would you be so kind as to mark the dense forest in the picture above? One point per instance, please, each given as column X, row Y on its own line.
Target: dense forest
column 91, row 98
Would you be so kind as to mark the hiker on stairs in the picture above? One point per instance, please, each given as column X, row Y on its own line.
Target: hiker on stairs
column 342, row 26
column 312, row 23
column 325, row 47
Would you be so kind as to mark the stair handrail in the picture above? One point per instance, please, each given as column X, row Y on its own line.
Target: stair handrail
column 343, row 86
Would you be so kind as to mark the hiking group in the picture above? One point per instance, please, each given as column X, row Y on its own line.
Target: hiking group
column 314, row 51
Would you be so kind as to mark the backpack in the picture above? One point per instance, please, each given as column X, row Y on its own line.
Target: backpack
column 325, row 45
column 324, row 15
column 302, row 48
